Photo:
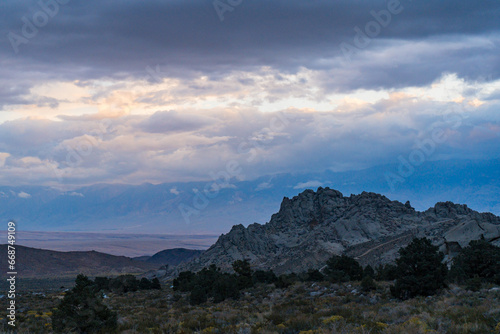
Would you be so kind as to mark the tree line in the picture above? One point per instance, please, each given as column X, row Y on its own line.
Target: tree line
column 418, row 271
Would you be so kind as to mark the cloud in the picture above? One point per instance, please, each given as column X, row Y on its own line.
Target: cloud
column 3, row 157
column 22, row 194
column 81, row 151
column 172, row 121
column 263, row 186
column 174, row 191
column 308, row 184
column 76, row 194
column 182, row 40
column 158, row 91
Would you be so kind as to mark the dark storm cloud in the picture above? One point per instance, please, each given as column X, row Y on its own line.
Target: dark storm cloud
column 98, row 39
column 417, row 63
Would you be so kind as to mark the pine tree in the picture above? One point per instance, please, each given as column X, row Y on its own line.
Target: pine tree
column 244, row 273
column 480, row 261
column 420, row 271
column 155, row 284
column 82, row 310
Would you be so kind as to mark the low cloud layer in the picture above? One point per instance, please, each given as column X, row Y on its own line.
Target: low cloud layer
column 167, row 147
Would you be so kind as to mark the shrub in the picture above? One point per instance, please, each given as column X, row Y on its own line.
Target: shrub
column 420, row 271
column 368, row 271
column 198, row 295
column 144, row 284
column 473, row 284
column 82, row 310
column 155, row 284
column 102, row 283
column 314, row 276
column 244, row 273
column 387, row 272
column 212, row 283
column 225, row 287
column 124, row 283
column 261, row 276
column 184, row 282
column 284, row 281
column 367, row 284
column 343, row 268
column 479, row 259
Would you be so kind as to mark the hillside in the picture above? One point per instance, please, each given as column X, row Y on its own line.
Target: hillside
column 41, row 263
column 312, row 226
column 171, row 257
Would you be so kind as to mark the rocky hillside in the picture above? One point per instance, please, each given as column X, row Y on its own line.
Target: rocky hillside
column 312, row 226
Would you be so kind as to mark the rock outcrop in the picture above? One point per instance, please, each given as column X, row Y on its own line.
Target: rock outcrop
column 311, row 227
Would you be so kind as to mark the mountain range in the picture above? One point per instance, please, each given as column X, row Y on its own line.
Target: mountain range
column 42, row 263
column 182, row 207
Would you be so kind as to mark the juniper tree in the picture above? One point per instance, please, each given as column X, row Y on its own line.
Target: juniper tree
column 480, row 261
column 420, row 270
column 343, row 268
column 83, row 311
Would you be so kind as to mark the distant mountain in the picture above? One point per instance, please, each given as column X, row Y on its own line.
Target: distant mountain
column 41, row 263
column 311, row 227
column 171, row 257
column 179, row 208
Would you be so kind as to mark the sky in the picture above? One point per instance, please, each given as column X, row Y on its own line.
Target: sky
column 165, row 91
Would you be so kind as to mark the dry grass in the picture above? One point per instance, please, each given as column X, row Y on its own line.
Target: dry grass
column 307, row 308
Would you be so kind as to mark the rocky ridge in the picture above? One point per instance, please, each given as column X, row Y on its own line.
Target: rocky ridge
column 311, row 227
